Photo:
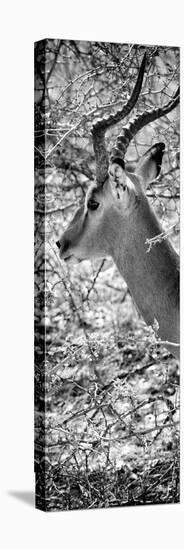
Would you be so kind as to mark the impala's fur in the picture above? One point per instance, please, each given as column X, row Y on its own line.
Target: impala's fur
column 116, row 220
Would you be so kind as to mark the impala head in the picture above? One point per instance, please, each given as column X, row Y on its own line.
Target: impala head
column 99, row 223
column 96, row 225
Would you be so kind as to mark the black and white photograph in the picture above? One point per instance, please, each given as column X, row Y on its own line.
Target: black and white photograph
column 107, row 230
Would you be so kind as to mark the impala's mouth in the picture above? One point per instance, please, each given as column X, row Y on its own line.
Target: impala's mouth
column 71, row 260
column 67, row 258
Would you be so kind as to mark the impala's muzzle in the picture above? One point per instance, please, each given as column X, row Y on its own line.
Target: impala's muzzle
column 64, row 253
column 63, row 245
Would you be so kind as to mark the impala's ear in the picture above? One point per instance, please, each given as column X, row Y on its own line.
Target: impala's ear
column 149, row 166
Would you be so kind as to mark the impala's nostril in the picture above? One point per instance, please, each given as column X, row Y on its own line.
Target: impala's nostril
column 65, row 246
column 58, row 244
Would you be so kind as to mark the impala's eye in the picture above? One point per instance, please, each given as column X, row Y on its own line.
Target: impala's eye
column 92, row 204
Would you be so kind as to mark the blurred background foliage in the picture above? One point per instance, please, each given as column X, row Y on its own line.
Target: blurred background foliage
column 106, row 395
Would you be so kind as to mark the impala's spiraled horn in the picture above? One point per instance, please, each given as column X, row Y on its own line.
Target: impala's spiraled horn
column 101, row 125
column 136, row 124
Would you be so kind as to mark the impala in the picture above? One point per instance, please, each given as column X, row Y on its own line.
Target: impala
column 117, row 219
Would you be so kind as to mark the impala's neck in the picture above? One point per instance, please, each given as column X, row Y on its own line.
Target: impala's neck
column 152, row 277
